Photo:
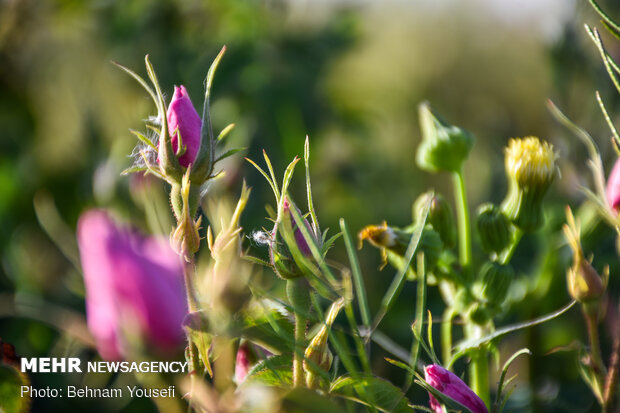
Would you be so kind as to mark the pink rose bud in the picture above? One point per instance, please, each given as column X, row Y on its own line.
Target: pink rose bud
column 449, row 384
column 183, row 118
column 613, row 187
column 134, row 288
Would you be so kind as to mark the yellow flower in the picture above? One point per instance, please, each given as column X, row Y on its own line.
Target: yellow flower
column 530, row 168
column 530, row 161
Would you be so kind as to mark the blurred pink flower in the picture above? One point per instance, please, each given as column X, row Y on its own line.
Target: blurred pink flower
column 182, row 115
column 134, row 288
column 245, row 360
column 452, row 386
column 613, row 187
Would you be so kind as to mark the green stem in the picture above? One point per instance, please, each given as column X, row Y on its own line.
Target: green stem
column 507, row 254
column 299, row 297
column 192, row 306
column 479, row 367
column 446, row 335
column 464, row 227
column 591, row 316
column 300, row 337
column 188, row 271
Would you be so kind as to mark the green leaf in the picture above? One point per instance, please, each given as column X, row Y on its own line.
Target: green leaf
column 228, row 153
column 225, row 132
column 11, row 400
column 502, row 383
column 272, row 371
column 399, row 279
column 360, row 290
column 302, row 400
column 142, row 138
column 467, row 345
column 315, row 221
column 134, row 169
column 270, row 329
column 373, row 392
column 195, row 326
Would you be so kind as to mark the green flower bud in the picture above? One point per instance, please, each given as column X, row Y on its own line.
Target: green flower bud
column 493, row 283
column 444, row 147
column 479, row 313
column 185, row 239
column 530, row 168
column 493, row 228
column 439, row 216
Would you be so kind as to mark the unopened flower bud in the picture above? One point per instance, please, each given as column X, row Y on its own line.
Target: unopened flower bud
column 613, row 187
column 184, row 121
column 493, row 228
column 439, row 216
column 444, row 147
column 185, row 238
column 584, row 283
column 281, row 256
column 478, row 313
column 397, row 240
column 494, row 282
column 530, row 168
column 452, row 386
column 317, row 353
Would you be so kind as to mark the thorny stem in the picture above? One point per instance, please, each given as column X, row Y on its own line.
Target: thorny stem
column 612, row 373
column 188, row 272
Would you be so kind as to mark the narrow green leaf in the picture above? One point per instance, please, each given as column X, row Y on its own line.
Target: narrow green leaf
column 360, row 290
column 273, row 185
column 273, row 175
column 466, row 345
column 594, row 34
column 288, row 175
column 315, row 221
column 399, row 279
column 228, row 153
column 224, row 133
column 140, row 80
column 143, row 139
column 501, row 383
column 420, row 308
column 607, row 19
column 611, row 125
column 134, row 169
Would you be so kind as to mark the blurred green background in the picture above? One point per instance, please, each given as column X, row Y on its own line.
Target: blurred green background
column 350, row 74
